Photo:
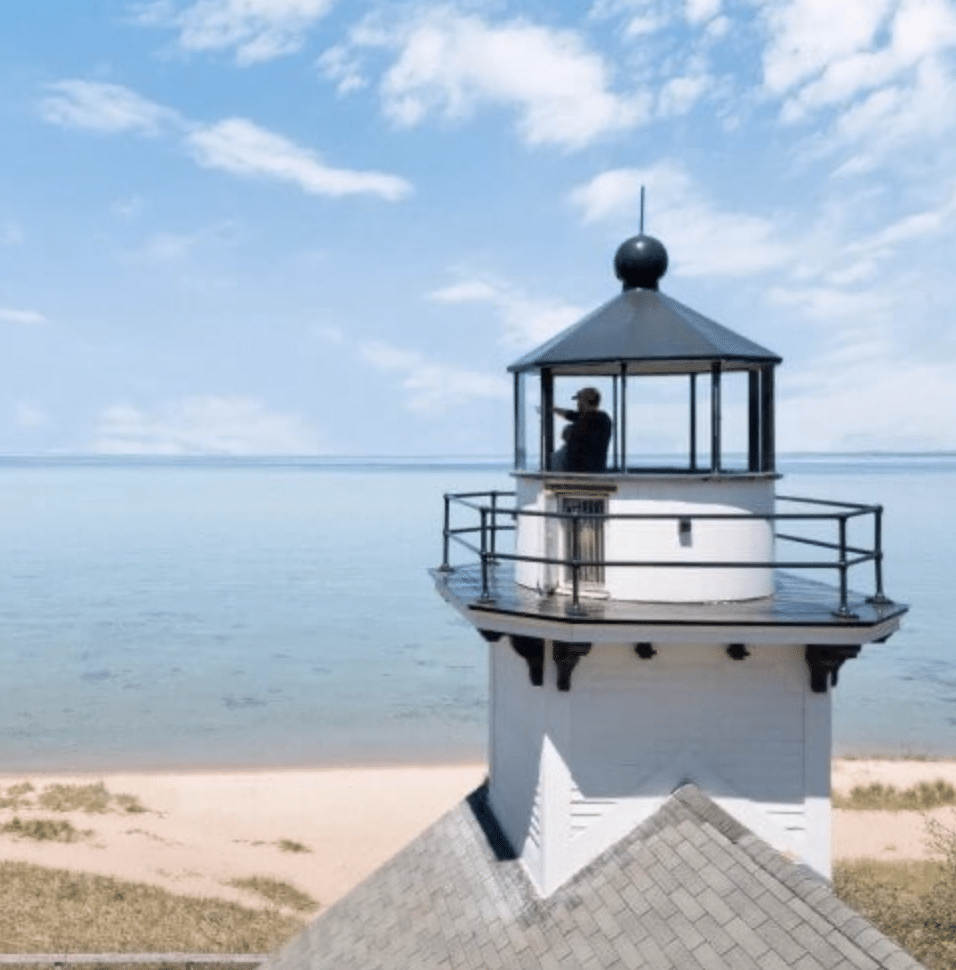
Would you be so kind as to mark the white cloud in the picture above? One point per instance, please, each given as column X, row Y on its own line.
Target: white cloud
column 234, row 145
column 21, row 317
column 679, row 63
column 610, row 195
column 880, row 63
column 836, row 57
column 892, row 122
column 526, row 321
column 428, row 384
column 809, row 35
column 451, row 63
column 168, row 247
column 467, row 291
column 702, row 239
column 718, row 27
column 27, row 415
column 340, row 65
column 699, row 11
column 257, row 30
column 830, row 303
column 680, row 94
column 203, row 425
column 243, row 148
column 867, row 398
column 104, row 107
column 639, row 17
column 644, row 24
column 851, row 276
column 129, row 207
column 328, row 334
column 11, row 234
column 175, row 247
column 885, row 243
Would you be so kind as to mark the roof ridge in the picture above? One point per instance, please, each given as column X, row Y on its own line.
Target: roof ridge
column 810, row 887
column 689, row 886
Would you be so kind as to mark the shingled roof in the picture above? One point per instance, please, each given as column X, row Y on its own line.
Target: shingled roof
column 648, row 330
column 688, row 888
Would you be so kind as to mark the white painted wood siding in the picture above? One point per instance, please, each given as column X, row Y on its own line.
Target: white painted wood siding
column 574, row 772
column 743, row 540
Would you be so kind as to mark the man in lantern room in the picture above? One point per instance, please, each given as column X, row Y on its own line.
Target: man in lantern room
column 586, row 436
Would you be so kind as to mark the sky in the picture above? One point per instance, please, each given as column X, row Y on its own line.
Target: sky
column 328, row 226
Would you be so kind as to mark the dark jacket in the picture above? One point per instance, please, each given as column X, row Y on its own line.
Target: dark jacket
column 586, row 442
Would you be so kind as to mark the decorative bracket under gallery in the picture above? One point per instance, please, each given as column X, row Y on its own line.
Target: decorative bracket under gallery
column 566, row 657
column 825, row 662
column 531, row 650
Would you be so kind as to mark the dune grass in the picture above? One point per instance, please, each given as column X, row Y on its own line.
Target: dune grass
column 912, row 902
column 94, row 799
column 290, row 845
column 44, row 910
column 44, row 829
column 128, row 803
column 17, row 796
column 276, row 891
column 921, row 797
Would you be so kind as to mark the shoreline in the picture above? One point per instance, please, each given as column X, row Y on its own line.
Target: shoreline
column 361, row 765
column 325, row 829
column 226, row 769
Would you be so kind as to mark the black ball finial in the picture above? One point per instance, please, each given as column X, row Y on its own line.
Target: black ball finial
column 640, row 262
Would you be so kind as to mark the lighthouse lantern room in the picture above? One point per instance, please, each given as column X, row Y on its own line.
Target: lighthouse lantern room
column 656, row 621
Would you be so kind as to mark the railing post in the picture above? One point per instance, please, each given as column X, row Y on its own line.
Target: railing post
column 445, row 566
column 575, row 608
column 494, row 523
column 879, row 597
column 844, row 612
column 486, row 596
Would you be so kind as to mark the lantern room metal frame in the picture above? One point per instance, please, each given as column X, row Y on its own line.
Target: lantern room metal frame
column 642, row 333
column 761, row 450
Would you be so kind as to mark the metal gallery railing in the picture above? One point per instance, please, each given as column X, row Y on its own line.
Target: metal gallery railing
column 492, row 517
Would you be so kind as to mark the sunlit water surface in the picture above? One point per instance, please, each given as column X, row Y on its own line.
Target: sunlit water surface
column 160, row 614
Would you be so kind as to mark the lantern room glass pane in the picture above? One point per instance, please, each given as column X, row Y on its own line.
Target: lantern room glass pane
column 528, row 422
column 658, row 420
column 735, row 421
column 565, row 389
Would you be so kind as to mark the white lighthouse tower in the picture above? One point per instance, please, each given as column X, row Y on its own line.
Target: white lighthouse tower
column 649, row 623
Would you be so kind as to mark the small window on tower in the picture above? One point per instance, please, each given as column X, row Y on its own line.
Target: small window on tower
column 584, row 537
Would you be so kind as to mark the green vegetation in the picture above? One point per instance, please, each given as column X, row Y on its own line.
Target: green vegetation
column 15, row 796
column 290, row 845
column 93, row 798
column 922, row 797
column 46, row 910
column 128, row 803
column 278, row 892
column 44, row 830
column 913, row 903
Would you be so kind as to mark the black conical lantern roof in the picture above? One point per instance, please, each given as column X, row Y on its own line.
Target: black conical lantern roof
column 644, row 328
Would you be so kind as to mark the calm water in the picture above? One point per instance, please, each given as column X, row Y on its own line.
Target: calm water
column 206, row 612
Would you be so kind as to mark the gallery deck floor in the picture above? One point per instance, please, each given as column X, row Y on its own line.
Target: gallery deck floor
column 796, row 602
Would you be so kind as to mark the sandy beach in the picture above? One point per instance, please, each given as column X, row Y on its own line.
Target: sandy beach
column 202, row 829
